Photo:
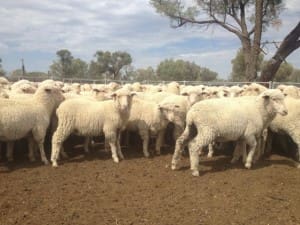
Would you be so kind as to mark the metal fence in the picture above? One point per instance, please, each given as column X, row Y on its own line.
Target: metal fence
column 269, row 84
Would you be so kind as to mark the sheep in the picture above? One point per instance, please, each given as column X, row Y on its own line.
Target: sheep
column 289, row 124
column 150, row 118
column 228, row 119
column 173, row 87
column 29, row 117
column 92, row 118
column 155, row 97
column 289, row 91
column 253, row 89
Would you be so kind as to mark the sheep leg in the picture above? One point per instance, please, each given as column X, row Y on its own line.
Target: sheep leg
column 112, row 139
column 251, row 141
column 296, row 138
column 239, row 150
column 58, row 138
column 86, row 144
column 31, row 149
column 42, row 152
column 145, row 137
column 10, row 151
column 210, row 150
column 120, row 154
column 159, row 141
column 181, row 142
column 194, row 156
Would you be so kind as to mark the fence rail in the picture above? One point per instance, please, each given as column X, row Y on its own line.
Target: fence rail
column 270, row 84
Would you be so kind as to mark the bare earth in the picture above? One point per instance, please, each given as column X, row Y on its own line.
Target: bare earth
column 92, row 189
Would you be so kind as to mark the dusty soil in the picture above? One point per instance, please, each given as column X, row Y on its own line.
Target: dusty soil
column 91, row 189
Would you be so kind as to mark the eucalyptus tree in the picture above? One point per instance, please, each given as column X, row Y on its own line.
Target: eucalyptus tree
column 246, row 19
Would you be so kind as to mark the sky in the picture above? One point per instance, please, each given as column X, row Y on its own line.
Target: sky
column 36, row 29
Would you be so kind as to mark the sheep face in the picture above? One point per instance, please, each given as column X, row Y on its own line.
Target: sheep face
column 173, row 113
column 123, row 99
column 274, row 101
column 194, row 97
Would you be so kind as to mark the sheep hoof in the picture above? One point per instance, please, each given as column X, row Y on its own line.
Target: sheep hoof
column 195, row 173
column 54, row 164
column 46, row 162
column 116, row 160
column 147, row 155
column 209, row 155
column 173, row 167
column 248, row 165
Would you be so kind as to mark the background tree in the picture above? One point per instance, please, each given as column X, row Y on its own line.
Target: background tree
column 295, row 76
column 238, row 72
column 16, row 73
column 65, row 62
column 79, row 68
column 144, row 74
column 236, row 17
column 284, row 72
column 67, row 66
column 112, row 63
column 171, row 69
column 2, row 72
column 290, row 43
column 207, row 75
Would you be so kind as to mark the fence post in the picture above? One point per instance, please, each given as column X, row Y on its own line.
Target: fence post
column 270, row 84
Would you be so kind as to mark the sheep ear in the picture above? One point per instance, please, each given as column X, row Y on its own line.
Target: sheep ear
column 48, row 90
column 265, row 95
column 133, row 94
column 184, row 93
column 113, row 95
column 96, row 90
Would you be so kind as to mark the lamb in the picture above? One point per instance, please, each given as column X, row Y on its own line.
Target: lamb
column 253, row 89
column 228, row 119
column 173, row 87
column 29, row 117
column 92, row 118
column 147, row 118
column 289, row 91
column 289, row 124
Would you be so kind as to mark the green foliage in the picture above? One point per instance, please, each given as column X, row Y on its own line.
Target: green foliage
column 64, row 62
column 284, row 72
column 183, row 70
column 295, row 76
column 37, row 74
column 141, row 74
column 79, row 68
column 110, row 63
column 2, row 72
column 238, row 66
column 207, row 75
column 66, row 66
column 16, row 73
column 181, row 13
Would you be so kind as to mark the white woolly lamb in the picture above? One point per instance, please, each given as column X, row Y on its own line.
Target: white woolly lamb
column 228, row 119
column 92, row 118
column 29, row 117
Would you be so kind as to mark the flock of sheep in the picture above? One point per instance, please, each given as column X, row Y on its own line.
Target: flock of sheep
column 201, row 116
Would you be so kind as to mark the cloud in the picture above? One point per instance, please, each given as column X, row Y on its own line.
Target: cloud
column 31, row 28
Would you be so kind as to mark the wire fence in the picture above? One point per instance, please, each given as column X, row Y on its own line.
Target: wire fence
column 270, row 84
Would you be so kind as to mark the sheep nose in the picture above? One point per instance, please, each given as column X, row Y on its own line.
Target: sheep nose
column 284, row 112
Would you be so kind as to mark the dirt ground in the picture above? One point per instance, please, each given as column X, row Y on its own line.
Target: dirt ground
column 92, row 189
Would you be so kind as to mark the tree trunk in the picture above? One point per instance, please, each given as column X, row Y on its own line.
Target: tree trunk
column 255, row 50
column 290, row 43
